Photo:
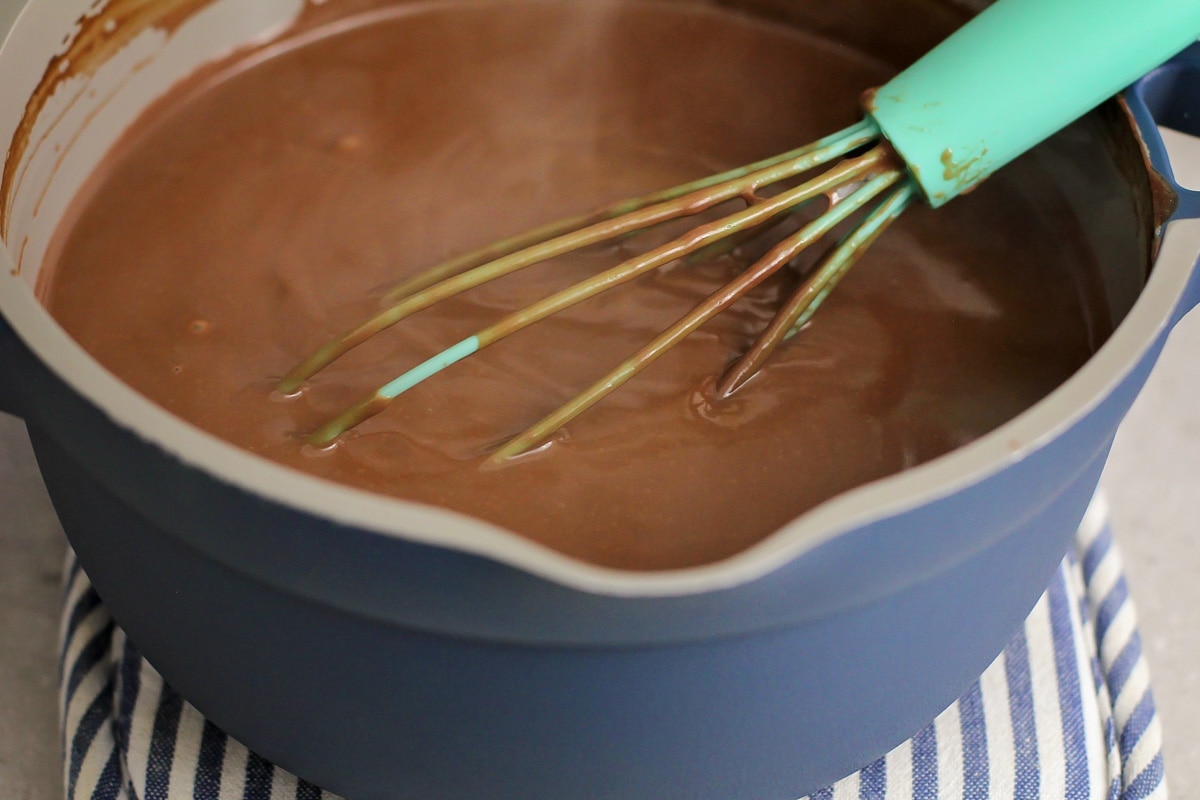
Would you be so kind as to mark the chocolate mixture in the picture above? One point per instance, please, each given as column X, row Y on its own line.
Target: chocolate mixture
column 266, row 205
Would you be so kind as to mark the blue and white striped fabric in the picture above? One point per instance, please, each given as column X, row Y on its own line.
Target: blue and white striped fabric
column 1065, row 712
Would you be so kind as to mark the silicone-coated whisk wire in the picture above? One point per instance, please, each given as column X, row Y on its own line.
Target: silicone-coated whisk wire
column 621, row 219
column 756, row 214
column 940, row 128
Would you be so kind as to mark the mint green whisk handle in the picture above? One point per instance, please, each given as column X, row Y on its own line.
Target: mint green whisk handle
column 1017, row 73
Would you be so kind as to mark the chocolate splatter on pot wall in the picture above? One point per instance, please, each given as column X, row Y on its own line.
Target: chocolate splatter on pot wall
column 101, row 33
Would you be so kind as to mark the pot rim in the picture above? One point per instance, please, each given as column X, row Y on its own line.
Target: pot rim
column 1150, row 316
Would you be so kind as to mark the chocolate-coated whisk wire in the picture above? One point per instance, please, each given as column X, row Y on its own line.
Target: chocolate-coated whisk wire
column 620, row 219
column 806, row 300
column 850, row 185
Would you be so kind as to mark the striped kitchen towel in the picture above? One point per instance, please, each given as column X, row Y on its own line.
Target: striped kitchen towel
column 1064, row 712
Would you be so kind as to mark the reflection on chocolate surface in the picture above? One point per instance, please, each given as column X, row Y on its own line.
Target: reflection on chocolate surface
column 267, row 204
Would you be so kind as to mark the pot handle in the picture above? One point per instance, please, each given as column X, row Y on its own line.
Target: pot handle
column 1170, row 96
column 10, row 402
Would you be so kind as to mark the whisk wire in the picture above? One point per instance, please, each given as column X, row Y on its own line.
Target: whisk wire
column 825, row 276
column 847, row 172
column 858, row 135
column 778, row 257
column 687, row 204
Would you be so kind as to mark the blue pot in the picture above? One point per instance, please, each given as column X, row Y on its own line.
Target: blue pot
column 386, row 650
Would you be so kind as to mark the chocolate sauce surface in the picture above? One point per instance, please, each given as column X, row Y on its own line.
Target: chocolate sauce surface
column 268, row 203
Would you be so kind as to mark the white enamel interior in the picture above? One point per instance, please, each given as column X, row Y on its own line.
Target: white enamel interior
column 90, row 125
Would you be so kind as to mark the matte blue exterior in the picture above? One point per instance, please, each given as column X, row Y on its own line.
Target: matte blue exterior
column 381, row 668
column 767, row 715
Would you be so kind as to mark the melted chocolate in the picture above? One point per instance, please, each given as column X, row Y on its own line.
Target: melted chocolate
column 267, row 204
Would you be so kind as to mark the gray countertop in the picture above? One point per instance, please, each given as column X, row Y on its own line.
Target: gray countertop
column 1153, row 483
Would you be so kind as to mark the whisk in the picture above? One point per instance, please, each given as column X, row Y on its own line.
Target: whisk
column 1018, row 72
